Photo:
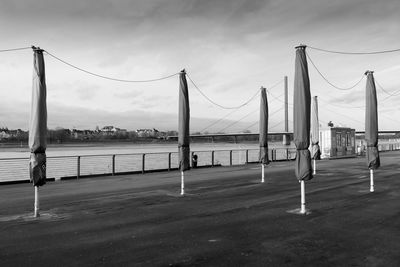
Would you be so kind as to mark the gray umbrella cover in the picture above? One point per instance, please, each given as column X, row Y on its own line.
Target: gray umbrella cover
column 315, row 150
column 371, row 123
column 301, row 116
column 38, row 122
column 263, row 139
column 183, row 124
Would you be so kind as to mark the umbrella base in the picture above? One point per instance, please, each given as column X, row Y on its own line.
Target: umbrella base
column 299, row 212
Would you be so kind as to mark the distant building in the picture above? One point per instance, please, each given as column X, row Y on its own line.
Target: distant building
column 82, row 134
column 147, row 132
column 111, row 130
column 4, row 134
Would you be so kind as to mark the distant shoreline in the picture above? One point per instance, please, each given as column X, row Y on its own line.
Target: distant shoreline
column 9, row 147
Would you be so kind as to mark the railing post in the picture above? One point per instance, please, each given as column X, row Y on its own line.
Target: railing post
column 212, row 158
column 287, row 154
column 113, row 164
column 169, row 161
column 230, row 158
column 78, row 167
column 143, row 162
column 247, row 156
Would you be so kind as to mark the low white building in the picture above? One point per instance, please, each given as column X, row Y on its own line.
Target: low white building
column 337, row 142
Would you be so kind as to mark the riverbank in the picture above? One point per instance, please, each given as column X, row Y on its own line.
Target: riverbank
column 227, row 218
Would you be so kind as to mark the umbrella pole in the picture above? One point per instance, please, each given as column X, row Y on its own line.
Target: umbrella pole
column 371, row 173
column 303, row 198
column 182, row 183
column 262, row 173
column 315, row 167
column 36, row 206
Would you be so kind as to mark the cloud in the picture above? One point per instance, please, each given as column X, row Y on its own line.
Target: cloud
column 230, row 48
column 132, row 94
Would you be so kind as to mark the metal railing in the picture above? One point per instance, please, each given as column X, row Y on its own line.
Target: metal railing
column 63, row 167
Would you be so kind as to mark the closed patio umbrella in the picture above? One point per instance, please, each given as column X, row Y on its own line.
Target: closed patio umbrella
column 371, row 127
column 263, row 138
column 183, row 128
column 38, row 126
column 315, row 150
column 301, row 120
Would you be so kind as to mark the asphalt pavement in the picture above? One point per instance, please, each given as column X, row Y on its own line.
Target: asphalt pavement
column 226, row 218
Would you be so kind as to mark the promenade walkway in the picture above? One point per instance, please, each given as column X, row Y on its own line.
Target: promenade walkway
column 227, row 218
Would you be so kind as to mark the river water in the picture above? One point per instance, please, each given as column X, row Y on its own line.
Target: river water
column 97, row 159
column 78, row 160
column 126, row 148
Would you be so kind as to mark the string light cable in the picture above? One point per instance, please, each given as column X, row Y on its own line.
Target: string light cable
column 250, row 114
column 355, row 53
column 218, row 105
column 217, row 121
column 337, row 87
column 225, row 107
column 15, row 49
column 106, row 77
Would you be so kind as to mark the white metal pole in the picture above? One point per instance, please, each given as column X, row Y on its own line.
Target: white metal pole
column 36, row 207
column 315, row 168
column 262, row 173
column 371, row 172
column 182, row 184
column 303, row 198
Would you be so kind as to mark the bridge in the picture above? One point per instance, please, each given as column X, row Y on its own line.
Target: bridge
column 231, row 135
column 255, row 135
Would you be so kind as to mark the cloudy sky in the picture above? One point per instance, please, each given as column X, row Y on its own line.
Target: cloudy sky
column 228, row 48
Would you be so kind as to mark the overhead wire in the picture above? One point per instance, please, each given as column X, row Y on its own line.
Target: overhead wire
column 106, row 77
column 216, row 104
column 225, row 107
column 335, row 86
column 354, row 53
column 15, row 49
column 217, row 121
